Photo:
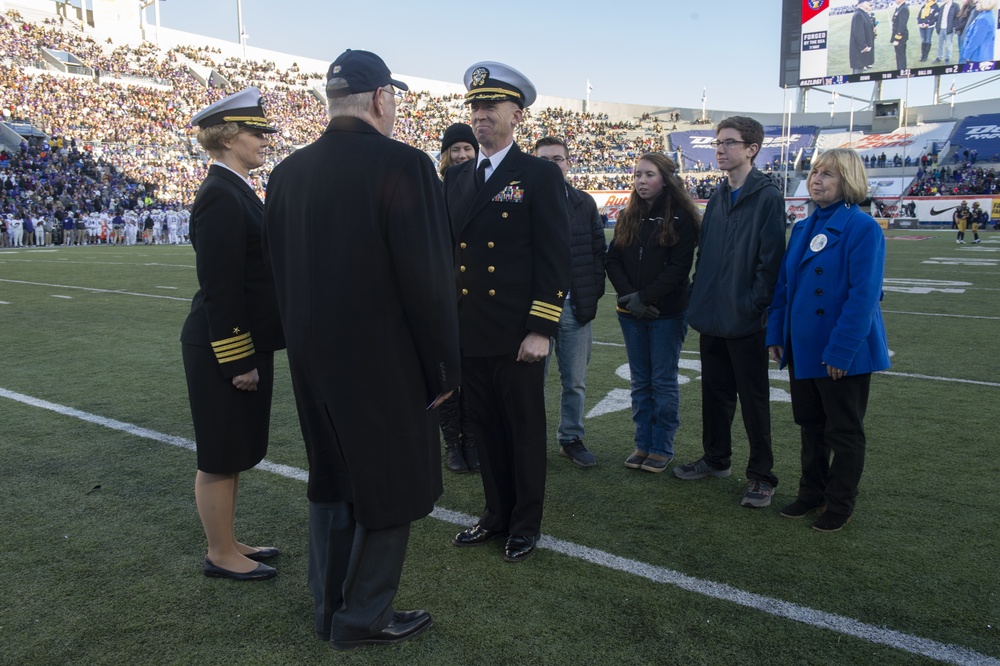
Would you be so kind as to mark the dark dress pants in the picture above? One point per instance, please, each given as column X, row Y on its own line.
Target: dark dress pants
column 353, row 571
column 507, row 409
column 830, row 415
column 732, row 367
column 900, row 55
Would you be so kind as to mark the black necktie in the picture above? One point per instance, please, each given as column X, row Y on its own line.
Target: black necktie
column 481, row 172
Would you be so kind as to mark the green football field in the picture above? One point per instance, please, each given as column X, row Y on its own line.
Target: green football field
column 101, row 549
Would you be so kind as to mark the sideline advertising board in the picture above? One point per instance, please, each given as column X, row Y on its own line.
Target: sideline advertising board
column 612, row 202
column 929, row 211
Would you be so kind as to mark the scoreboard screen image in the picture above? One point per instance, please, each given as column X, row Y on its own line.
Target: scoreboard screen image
column 828, row 42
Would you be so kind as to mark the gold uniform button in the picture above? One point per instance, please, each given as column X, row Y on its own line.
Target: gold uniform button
column 461, row 268
column 493, row 292
column 491, row 269
column 462, row 245
column 465, row 292
column 490, row 244
column 504, row 215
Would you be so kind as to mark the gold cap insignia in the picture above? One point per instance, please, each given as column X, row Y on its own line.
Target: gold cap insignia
column 479, row 76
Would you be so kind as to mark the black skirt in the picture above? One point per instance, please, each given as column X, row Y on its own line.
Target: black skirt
column 230, row 426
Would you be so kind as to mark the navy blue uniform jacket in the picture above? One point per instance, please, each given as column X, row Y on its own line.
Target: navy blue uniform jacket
column 234, row 311
column 513, row 251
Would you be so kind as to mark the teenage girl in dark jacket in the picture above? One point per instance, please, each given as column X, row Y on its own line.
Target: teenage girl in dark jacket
column 649, row 261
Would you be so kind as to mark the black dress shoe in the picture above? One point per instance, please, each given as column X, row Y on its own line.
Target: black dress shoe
column 476, row 535
column 403, row 626
column 519, row 548
column 262, row 572
column 263, row 554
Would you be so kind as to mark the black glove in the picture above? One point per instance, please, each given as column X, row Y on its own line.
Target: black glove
column 650, row 313
column 633, row 304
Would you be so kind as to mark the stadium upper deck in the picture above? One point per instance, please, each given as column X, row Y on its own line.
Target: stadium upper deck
column 129, row 100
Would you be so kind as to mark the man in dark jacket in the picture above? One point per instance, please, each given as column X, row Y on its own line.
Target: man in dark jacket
column 862, row 42
column 357, row 233
column 575, row 339
column 946, row 26
column 742, row 244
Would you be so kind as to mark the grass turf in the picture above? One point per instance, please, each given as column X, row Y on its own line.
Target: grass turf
column 102, row 546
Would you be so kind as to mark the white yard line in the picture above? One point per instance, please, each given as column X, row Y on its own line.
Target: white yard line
column 939, row 314
column 95, row 290
column 954, row 654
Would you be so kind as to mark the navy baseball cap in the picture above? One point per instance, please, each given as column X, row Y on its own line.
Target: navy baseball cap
column 358, row 72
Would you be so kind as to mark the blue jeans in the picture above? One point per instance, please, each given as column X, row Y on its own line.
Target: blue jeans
column 945, row 40
column 654, row 349
column 572, row 349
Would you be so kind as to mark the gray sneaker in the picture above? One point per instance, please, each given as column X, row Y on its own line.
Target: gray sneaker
column 578, row 453
column 699, row 469
column 758, row 494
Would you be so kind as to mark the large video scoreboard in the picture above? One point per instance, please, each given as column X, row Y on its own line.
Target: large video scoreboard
column 818, row 37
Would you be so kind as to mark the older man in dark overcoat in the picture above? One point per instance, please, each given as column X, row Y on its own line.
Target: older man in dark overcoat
column 508, row 212
column 862, row 42
column 364, row 268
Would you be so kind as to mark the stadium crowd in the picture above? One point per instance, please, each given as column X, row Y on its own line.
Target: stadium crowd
column 134, row 113
column 961, row 180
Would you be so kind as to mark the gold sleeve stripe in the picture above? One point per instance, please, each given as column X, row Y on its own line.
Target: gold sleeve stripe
column 235, row 354
column 234, row 346
column 545, row 311
column 229, row 341
column 542, row 315
column 552, row 309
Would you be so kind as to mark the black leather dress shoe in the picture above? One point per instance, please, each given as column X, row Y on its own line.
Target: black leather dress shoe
column 403, row 626
column 263, row 554
column 262, row 572
column 476, row 535
column 519, row 548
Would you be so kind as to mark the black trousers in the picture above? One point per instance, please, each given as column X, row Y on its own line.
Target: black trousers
column 353, row 571
column 900, row 55
column 506, row 401
column 732, row 367
column 830, row 415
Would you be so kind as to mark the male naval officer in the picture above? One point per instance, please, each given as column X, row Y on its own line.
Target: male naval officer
column 508, row 213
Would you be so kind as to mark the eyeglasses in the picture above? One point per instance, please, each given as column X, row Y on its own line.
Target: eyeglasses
column 396, row 94
column 726, row 145
column 558, row 159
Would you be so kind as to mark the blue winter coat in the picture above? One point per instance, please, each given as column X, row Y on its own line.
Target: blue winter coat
column 826, row 302
column 980, row 33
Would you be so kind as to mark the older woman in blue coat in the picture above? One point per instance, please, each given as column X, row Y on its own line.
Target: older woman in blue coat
column 825, row 324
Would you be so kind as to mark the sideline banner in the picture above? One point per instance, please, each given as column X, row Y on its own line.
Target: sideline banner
column 928, row 210
column 938, row 210
column 612, row 202
column 609, row 203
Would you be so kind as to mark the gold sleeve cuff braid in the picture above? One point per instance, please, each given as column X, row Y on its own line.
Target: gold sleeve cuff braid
column 233, row 349
column 545, row 310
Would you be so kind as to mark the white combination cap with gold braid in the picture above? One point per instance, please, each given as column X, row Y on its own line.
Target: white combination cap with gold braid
column 244, row 108
column 490, row 80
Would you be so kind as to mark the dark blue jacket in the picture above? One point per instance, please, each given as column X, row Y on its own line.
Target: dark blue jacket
column 738, row 259
column 589, row 249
